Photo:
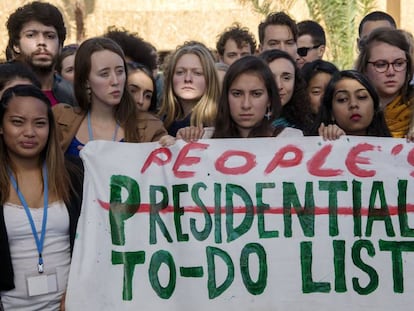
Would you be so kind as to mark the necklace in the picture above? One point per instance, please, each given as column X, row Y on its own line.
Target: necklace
column 90, row 133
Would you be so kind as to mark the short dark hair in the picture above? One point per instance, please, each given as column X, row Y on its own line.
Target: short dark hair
column 42, row 12
column 376, row 16
column 134, row 47
column 309, row 70
column 239, row 34
column 16, row 70
column 278, row 18
column 313, row 29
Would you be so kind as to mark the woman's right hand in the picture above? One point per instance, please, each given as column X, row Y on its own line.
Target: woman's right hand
column 330, row 131
column 190, row 133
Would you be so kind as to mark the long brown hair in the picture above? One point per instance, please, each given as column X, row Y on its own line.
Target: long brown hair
column 126, row 112
column 225, row 125
column 59, row 181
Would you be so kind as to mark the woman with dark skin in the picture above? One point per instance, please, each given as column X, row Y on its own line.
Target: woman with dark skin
column 351, row 107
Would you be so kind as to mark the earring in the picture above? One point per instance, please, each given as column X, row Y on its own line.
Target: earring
column 89, row 93
column 268, row 113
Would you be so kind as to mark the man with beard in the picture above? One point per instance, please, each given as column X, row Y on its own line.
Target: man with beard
column 36, row 35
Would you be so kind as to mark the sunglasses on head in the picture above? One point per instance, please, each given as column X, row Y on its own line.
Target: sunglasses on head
column 304, row 51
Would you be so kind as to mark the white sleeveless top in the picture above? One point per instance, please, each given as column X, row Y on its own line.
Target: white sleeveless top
column 24, row 255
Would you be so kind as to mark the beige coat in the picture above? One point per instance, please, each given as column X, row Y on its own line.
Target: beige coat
column 69, row 119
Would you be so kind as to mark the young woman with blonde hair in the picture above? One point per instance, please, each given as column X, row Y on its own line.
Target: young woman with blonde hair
column 191, row 88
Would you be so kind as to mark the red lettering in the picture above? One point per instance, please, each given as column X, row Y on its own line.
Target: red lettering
column 353, row 159
column 397, row 149
column 318, row 160
column 410, row 159
column 250, row 162
column 184, row 159
column 155, row 157
column 279, row 158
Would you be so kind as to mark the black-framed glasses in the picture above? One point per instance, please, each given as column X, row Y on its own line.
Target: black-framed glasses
column 304, row 51
column 381, row 66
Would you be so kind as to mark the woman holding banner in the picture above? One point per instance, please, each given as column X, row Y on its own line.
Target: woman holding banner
column 248, row 105
column 191, row 88
column 39, row 203
column 351, row 106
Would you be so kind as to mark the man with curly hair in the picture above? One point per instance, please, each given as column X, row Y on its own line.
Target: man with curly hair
column 36, row 35
column 234, row 43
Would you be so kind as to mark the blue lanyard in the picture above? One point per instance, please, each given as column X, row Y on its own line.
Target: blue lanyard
column 90, row 128
column 39, row 242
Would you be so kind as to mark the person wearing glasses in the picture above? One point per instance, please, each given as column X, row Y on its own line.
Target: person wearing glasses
column 311, row 42
column 386, row 61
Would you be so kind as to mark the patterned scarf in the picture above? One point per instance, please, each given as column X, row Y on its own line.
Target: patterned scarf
column 398, row 117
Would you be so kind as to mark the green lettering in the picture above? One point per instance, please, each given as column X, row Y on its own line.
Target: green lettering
column 261, row 208
column 258, row 287
column 157, row 259
column 333, row 187
column 405, row 230
column 155, row 218
column 179, row 211
column 308, row 285
column 214, row 290
column 129, row 260
column 217, row 214
column 396, row 248
column 235, row 232
column 203, row 234
column 119, row 212
column 306, row 215
column 339, row 264
column 378, row 214
column 372, row 274
column 356, row 202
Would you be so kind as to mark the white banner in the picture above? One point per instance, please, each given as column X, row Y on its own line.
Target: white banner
column 246, row 224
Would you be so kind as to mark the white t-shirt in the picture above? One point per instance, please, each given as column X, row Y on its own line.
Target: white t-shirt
column 24, row 254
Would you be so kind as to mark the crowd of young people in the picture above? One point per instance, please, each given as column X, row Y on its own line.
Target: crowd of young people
column 54, row 99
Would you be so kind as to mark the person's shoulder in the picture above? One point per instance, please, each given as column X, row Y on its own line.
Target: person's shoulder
column 65, row 108
column 67, row 112
column 147, row 116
